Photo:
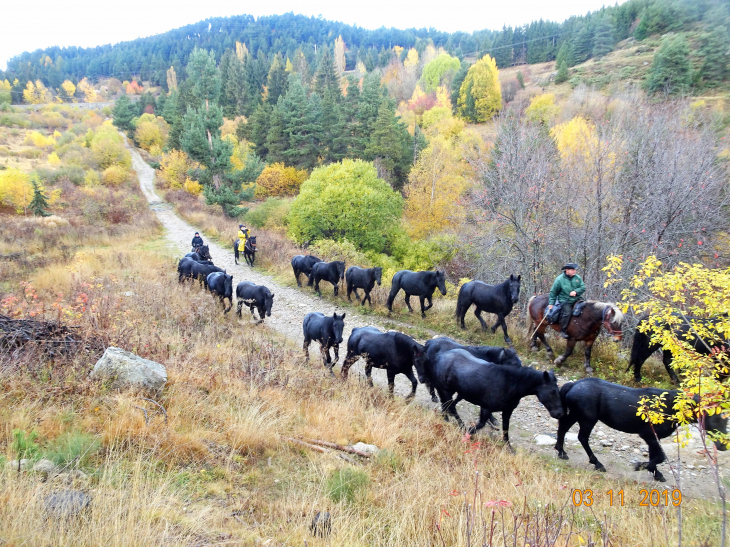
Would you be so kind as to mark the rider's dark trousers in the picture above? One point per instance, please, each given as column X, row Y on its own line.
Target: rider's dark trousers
column 566, row 315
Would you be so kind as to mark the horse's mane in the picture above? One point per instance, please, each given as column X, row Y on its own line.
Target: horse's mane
column 618, row 316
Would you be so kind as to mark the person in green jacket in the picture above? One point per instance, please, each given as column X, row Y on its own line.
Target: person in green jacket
column 567, row 289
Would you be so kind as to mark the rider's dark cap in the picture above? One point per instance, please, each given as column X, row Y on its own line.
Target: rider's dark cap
column 570, row 266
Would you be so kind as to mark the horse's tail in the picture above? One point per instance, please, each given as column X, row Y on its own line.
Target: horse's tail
column 564, row 395
column 462, row 302
column 529, row 321
column 395, row 287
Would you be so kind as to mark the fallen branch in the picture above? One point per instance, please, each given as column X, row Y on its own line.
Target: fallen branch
column 310, row 446
column 339, row 447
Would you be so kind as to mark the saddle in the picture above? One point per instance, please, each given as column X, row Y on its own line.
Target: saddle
column 553, row 316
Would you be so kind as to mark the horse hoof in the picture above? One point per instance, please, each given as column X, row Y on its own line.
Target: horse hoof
column 563, row 456
column 599, row 467
column 435, row 399
column 589, row 370
column 659, row 477
column 534, row 349
column 558, row 361
column 509, row 448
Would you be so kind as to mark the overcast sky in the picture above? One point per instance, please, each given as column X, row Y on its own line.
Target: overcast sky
column 85, row 23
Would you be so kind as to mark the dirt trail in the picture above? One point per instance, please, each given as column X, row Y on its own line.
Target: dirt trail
column 531, row 425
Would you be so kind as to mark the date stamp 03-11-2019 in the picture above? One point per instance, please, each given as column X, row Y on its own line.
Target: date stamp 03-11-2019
column 647, row 498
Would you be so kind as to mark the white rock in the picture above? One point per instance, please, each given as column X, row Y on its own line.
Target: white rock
column 606, row 443
column 24, row 463
column 128, row 369
column 45, row 467
column 544, row 440
column 571, row 436
column 625, row 447
column 367, row 448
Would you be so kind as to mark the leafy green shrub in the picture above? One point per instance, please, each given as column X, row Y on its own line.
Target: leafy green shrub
column 328, row 250
column 24, row 445
column 73, row 173
column 31, row 153
column 271, row 213
column 346, row 200
column 387, row 459
column 345, row 484
column 72, row 447
column 423, row 254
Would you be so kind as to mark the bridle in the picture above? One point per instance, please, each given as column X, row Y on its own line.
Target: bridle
column 250, row 246
column 607, row 324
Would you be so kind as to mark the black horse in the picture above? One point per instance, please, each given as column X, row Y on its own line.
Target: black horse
column 249, row 250
column 392, row 351
column 188, row 268
column 201, row 270
column 302, row 264
column 333, row 272
column 361, row 278
column 327, row 331
column 254, row 296
column 221, row 285
column 642, row 347
column 202, row 252
column 421, row 284
column 492, row 387
column 591, row 400
column 497, row 299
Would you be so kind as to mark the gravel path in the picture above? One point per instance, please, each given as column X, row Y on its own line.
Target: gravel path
column 531, row 425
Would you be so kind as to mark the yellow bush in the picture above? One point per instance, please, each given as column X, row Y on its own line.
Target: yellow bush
column 155, row 150
column 92, row 178
column 40, row 140
column 56, row 134
column 174, row 169
column 542, row 108
column 15, row 189
column 108, row 148
column 279, row 180
column 193, row 187
column 53, row 159
column 151, row 131
column 114, row 175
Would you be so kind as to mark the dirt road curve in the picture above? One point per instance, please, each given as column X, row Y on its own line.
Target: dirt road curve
column 530, row 426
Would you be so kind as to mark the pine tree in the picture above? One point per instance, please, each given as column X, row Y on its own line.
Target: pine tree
column 562, row 75
column 277, row 140
column 259, row 129
column 39, row 203
column 581, row 45
column 671, row 70
column 335, row 141
column 234, row 87
column 565, row 54
column 459, row 78
column 276, row 82
column 300, row 126
column 603, row 38
column 386, row 146
column 122, row 113
column 714, row 49
column 327, row 77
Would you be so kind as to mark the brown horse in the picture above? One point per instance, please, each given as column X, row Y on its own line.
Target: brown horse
column 585, row 327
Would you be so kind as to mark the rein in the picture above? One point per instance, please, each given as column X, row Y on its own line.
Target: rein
column 607, row 324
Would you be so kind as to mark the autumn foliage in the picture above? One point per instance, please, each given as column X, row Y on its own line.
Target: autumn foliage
column 279, row 180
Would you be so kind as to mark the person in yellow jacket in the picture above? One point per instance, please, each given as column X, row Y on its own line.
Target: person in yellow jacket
column 243, row 234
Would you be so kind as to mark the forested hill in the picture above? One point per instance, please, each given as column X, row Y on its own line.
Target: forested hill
column 575, row 40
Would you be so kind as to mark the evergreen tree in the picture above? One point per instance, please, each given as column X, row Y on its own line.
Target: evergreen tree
column 671, row 70
column 562, row 75
column 39, row 203
column 335, row 141
column 715, row 45
column 204, row 77
column 389, row 145
column 300, row 126
column 277, row 138
column 255, row 72
column 169, row 111
column 122, row 113
column 565, row 54
column 603, row 38
column 233, row 91
column 276, row 82
column 258, row 129
column 327, row 77
column 581, row 45
column 459, row 78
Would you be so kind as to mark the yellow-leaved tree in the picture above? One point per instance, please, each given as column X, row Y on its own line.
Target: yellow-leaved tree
column 16, row 190
column 67, row 90
column 174, row 169
column 576, row 137
column 5, row 88
column 480, row 95
column 434, row 186
column 542, row 108
column 688, row 310
column 36, row 93
column 279, row 180
column 90, row 94
column 151, row 131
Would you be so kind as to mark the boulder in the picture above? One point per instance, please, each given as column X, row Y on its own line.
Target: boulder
column 544, row 440
column 24, row 463
column 128, row 370
column 66, row 503
column 369, row 449
column 45, row 467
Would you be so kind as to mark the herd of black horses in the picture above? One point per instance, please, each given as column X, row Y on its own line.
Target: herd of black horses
column 490, row 377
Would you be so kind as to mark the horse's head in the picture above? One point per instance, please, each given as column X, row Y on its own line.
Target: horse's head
column 514, row 288
column 204, row 252
column 338, row 326
column 613, row 321
column 228, row 285
column 441, row 281
column 549, row 395
column 378, row 274
column 340, row 268
column 268, row 302
column 420, row 361
column 252, row 241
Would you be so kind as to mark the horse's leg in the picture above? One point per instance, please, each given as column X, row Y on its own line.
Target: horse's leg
column 423, row 310
column 296, row 276
column 316, row 286
column 548, row 349
column 238, row 308
column 307, row 341
column 478, row 315
column 414, row 383
column 408, row 302
column 484, row 416
column 588, row 347
column 432, row 392
column 501, row 321
column 349, row 292
column 337, row 287
column 583, row 435
column 656, row 456
column 564, row 424
column 430, row 301
column 369, row 371
column 667, row 360
column 326, row 358
column 568, row 351
column 350, row 359
column 391, row 382
column 448, row 406
column 506, row 415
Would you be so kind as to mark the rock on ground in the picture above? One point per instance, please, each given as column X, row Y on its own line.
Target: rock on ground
column 129, row 370
column 66, row 503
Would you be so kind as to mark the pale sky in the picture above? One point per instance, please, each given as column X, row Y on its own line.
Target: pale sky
column 87, row 23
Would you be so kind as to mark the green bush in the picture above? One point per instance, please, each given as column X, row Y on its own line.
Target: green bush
column 345, row 484
column 328, row 250
column 346, row 200
column 73, row 173
column 423, row 254
column 270, row 214
column 72, row 447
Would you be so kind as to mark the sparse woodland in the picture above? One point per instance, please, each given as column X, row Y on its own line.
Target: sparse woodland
column 601, row 140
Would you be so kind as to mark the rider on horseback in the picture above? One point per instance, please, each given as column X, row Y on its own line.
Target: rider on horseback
column 567, row 290
column 243, row 235
column 197, row 241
